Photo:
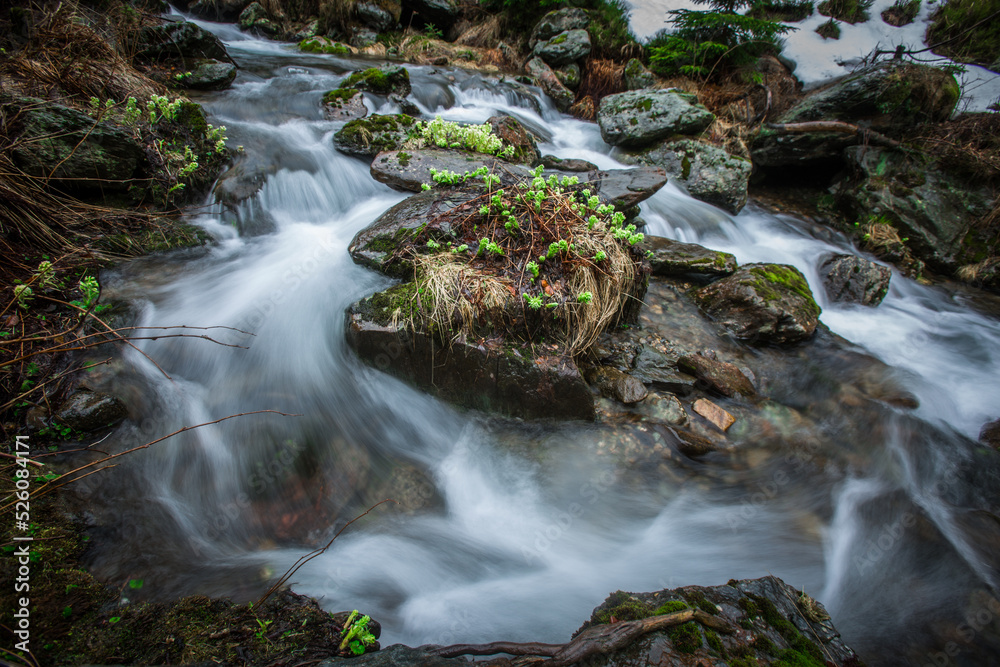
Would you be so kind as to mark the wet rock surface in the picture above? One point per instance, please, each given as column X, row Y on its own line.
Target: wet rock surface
column 762, row 304
column 85, row 410
column 853, row 279
column 676, row 259
column 638, row 118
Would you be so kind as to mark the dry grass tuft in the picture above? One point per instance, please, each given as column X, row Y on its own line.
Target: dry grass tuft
column 600, row 78
column 484, row 33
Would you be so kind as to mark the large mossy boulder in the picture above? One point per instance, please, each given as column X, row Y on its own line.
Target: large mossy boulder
column 550, row 84
column 442, row 13
column 762, row 304
column 764, row 621
column 367, row 137
column 179, row 39
column 891, row 97
column 707, row 172
column 556, row 22
column 389, row 80
column 255, row 18
column 933, row 210
column 72, row 150
column 564, row 48
column 379, row 15
column 520, row 381
column 637, row 118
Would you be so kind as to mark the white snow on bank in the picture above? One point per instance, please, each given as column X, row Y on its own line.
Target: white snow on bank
column 818, row 60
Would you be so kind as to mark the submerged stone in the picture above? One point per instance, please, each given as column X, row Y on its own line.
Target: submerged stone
column 853, row 279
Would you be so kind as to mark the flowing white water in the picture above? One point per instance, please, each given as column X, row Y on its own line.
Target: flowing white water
column 522, row 529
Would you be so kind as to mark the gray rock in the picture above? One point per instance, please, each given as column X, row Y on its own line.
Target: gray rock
column 762, row 304
column 242, row 180
column 615, row 384
column 568, row 164
column 86, row 410
column 675, row 259
column 569, row 75
column 659, row 369
column 662, row 407
column 637, row 76
column 853, row 279
column 564, row 48
column 561, row 96
column 79, row 153
column 511, row 381
column 708, row 172
column 344, row 104
column 556, row 22
column 442, row 13
column 933, row 210
column 719, row 377
column 386, row 80
column 211, row 75
column 638, row 118
column 889, row 94
column 367, row 137
column 776, row 149
column 409, row 170
column 362, row 37
column 379, row 16
column 179, row 39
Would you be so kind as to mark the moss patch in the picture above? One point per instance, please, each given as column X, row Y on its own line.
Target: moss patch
column 380, row 81
column 320, row 45
column 339, row 96
column 686, row 637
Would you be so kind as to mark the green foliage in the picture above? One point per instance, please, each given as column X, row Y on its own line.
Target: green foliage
column 433, row 31
column 162, row 109
column 829, row 30
column 356, row 636
column 852, row 11
column 610, row 31
column 964, row 33
column 782, row 10
column 901, row 12
column 706, row 42
column 448, row 134
column 23, row 294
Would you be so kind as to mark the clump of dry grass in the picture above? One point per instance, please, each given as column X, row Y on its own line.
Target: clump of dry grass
column 538, row 258
column 600, row 78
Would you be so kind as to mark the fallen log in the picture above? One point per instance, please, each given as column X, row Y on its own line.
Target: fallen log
column 864, row 135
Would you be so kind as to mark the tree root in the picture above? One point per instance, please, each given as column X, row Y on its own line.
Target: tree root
column 864, row 135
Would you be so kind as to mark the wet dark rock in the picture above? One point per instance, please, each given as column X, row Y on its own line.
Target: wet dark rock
column 707, row 172
column 990, row 434
column 769, row 620
column 676, row 259
column 638, row 118
column 79, row 153
column 405, row 105
column 442, row 13
column 762, row 304
column 693, row 445
column 933, row 210
column 637, row 76
column 547, row 80
column 513, row 133
column 719, row 377
column 508, row 379
column 568, row 164
column 659, row 369
column 179, row 39
column 367, row 137
column 211, row 75
column 556, row 22
column 615, row 384
column 86, row 411
column 379, row 16
column 853, row 279
column 373, row 246
column 242, row 180
column 662, row 407
column 564, row 48
column 775, row 149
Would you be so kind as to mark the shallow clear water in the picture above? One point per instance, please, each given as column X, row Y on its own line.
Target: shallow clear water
column 509, row 530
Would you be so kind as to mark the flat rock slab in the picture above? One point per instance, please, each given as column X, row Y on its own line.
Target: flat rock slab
column 720, row 377
column 675, row 259
column 762, row 304
column 409, row 170
column 344, row 104
column 719, row 418
column 505, row 380
column 638, row 118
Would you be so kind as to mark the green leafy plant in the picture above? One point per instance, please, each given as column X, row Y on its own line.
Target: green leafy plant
column 448, row 134
column 706, row 41
column 23, row 294
column 356, row 636
column 851, row 11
